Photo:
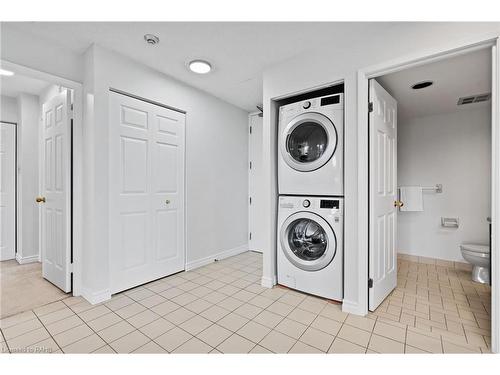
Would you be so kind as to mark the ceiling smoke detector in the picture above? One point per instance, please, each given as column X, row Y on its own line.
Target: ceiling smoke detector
column 421, row 85
column 151, row 39
column 474, row 99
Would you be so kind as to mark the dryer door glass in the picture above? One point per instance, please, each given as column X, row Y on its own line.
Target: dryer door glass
column 307, row 239
column 307, row 142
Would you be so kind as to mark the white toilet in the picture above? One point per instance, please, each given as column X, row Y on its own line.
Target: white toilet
column 479, row 256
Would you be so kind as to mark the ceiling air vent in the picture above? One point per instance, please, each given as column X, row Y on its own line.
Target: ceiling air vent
column 474, row 99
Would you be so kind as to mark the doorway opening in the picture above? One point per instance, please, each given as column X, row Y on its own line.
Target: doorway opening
column 37, row 229
column 431, row 198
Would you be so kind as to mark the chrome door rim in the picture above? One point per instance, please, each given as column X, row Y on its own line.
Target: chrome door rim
column 332, row 140
column 327, row 256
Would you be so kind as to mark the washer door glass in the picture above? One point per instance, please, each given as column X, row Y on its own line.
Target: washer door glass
column 307, row 239
column 307, row 142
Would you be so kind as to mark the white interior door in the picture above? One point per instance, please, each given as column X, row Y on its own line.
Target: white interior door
column 146, row 192
column 255, row 183
column 55, row 197
column 7, row 191
column 383, row 195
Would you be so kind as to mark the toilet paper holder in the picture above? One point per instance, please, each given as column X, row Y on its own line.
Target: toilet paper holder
column 449, row 222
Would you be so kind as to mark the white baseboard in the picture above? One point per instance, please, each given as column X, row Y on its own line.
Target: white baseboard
column 352, row 308
column 268, row 282
column 96, row 297
column 6, row 257
column 25, row 260
column 212, row 258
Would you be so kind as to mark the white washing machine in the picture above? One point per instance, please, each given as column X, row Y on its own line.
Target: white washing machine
column 310, row 245
column 311, row 147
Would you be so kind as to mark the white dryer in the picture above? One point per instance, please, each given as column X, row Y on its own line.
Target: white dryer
column 310, row 245
column 311, row 147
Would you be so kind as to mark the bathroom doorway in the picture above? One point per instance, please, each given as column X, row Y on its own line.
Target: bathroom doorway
column 430, row 199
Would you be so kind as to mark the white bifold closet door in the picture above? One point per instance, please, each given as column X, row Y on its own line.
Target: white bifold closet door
column 7, row 191
column 383, row 195
column 146, row 192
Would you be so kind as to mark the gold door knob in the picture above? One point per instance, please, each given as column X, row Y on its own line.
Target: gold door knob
column 398, row 204
column 40, row 199
column 167, row 201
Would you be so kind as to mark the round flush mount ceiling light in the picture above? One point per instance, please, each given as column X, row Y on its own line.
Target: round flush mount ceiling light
column 421, row 85
column 200, row 66
column 4, row 72
column 151, row 39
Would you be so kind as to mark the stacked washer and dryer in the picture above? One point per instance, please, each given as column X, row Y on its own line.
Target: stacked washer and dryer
column 311, row 190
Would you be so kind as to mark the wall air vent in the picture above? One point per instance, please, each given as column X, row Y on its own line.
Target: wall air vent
column 474, row 99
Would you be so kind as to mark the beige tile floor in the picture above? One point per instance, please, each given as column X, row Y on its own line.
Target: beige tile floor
column 221, row 308
column 22, row 288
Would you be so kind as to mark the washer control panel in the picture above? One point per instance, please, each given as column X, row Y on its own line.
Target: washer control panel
column 323, row 204
column 329, row 203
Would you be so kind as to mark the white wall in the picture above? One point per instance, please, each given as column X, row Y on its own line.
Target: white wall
column 8, row 109
column 453, row 149
column 27, row 161
column 216, row 163
column 334, row 63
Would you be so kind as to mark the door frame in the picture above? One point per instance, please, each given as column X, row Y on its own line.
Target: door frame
column 251, row 176
column 492, row 42
column 77, row 162
column 16, row 190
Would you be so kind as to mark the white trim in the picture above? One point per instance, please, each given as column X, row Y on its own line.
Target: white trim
column 352, row 307
column 495, row 199
column 212, row 258
column 96, row 297
column 421, row 58
column 25, row 260
column 77, row 213
column 268, row 282
column 250, row 176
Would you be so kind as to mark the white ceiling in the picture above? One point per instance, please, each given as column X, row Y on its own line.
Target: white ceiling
column 239, row 52
column 453, row 78
column 16, row 84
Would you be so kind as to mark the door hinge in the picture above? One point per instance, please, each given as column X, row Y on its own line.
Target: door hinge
column 70, row 268
column 370, row 283
column 250, row 235
column 370, row 107
column 250, row 130
column 250, row 165
column 250, row 200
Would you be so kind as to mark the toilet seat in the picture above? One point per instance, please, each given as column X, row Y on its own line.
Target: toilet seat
column 476, row 249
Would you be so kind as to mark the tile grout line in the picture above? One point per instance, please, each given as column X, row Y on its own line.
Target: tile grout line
column 250, row 320
column 96, row 333
column 318, row 314
column 5, row 340
column 43, row 325
column 35, row 308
